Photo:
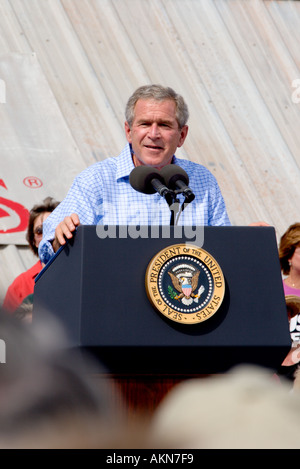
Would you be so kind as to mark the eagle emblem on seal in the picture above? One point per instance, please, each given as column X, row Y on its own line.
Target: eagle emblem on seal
column 185, row 279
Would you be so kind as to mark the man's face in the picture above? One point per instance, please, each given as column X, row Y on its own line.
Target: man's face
column 155, row 134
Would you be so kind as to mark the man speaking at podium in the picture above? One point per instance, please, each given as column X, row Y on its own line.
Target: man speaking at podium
column 155, row 126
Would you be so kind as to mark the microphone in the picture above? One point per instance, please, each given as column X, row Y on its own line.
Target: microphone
column 148, row 180
column 176, row 178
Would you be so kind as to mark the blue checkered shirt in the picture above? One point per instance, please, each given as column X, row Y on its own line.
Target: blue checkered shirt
column 102, row 194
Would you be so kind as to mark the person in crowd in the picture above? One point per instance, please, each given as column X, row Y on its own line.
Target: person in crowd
column 244, row 408
column 50, row 396
column 289, row 256
column 22, row 287
column 155, row 126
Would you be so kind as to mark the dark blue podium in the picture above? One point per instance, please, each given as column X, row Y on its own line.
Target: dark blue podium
column 96, row 288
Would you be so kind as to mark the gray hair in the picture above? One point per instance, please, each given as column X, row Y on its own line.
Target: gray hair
column 157, row 93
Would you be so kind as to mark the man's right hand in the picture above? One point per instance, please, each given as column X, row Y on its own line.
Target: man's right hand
column 65, row 230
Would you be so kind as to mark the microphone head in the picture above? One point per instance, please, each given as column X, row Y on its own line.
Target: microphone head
column 140, row 179
column 173, row 173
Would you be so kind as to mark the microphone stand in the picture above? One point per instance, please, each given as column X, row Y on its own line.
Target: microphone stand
column 174, row 206
column 172, row 201
column 177, row 180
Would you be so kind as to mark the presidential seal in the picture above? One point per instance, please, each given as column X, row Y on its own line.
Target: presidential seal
column 185, row 284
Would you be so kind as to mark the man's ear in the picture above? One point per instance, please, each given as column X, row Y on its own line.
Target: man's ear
column 183, row 135
column 127, row 132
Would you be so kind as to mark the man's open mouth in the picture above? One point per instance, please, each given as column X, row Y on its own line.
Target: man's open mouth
column 154, row 147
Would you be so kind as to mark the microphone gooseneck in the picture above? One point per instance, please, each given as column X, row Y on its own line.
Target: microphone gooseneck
column 176, row 178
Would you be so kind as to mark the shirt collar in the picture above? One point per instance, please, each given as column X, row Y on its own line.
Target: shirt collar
column 125, row 164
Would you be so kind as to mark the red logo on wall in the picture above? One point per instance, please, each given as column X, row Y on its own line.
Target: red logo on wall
column 2, row 183
column 21, row 211
column 18, row 214
column 32, row 182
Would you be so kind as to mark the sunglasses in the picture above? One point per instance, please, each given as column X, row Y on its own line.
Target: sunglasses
column 38, row 231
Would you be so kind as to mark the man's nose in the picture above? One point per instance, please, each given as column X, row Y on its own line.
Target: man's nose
column 154, row 131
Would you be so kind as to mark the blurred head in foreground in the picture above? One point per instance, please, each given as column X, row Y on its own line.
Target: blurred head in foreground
column 48, row 398
column 242, row 409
